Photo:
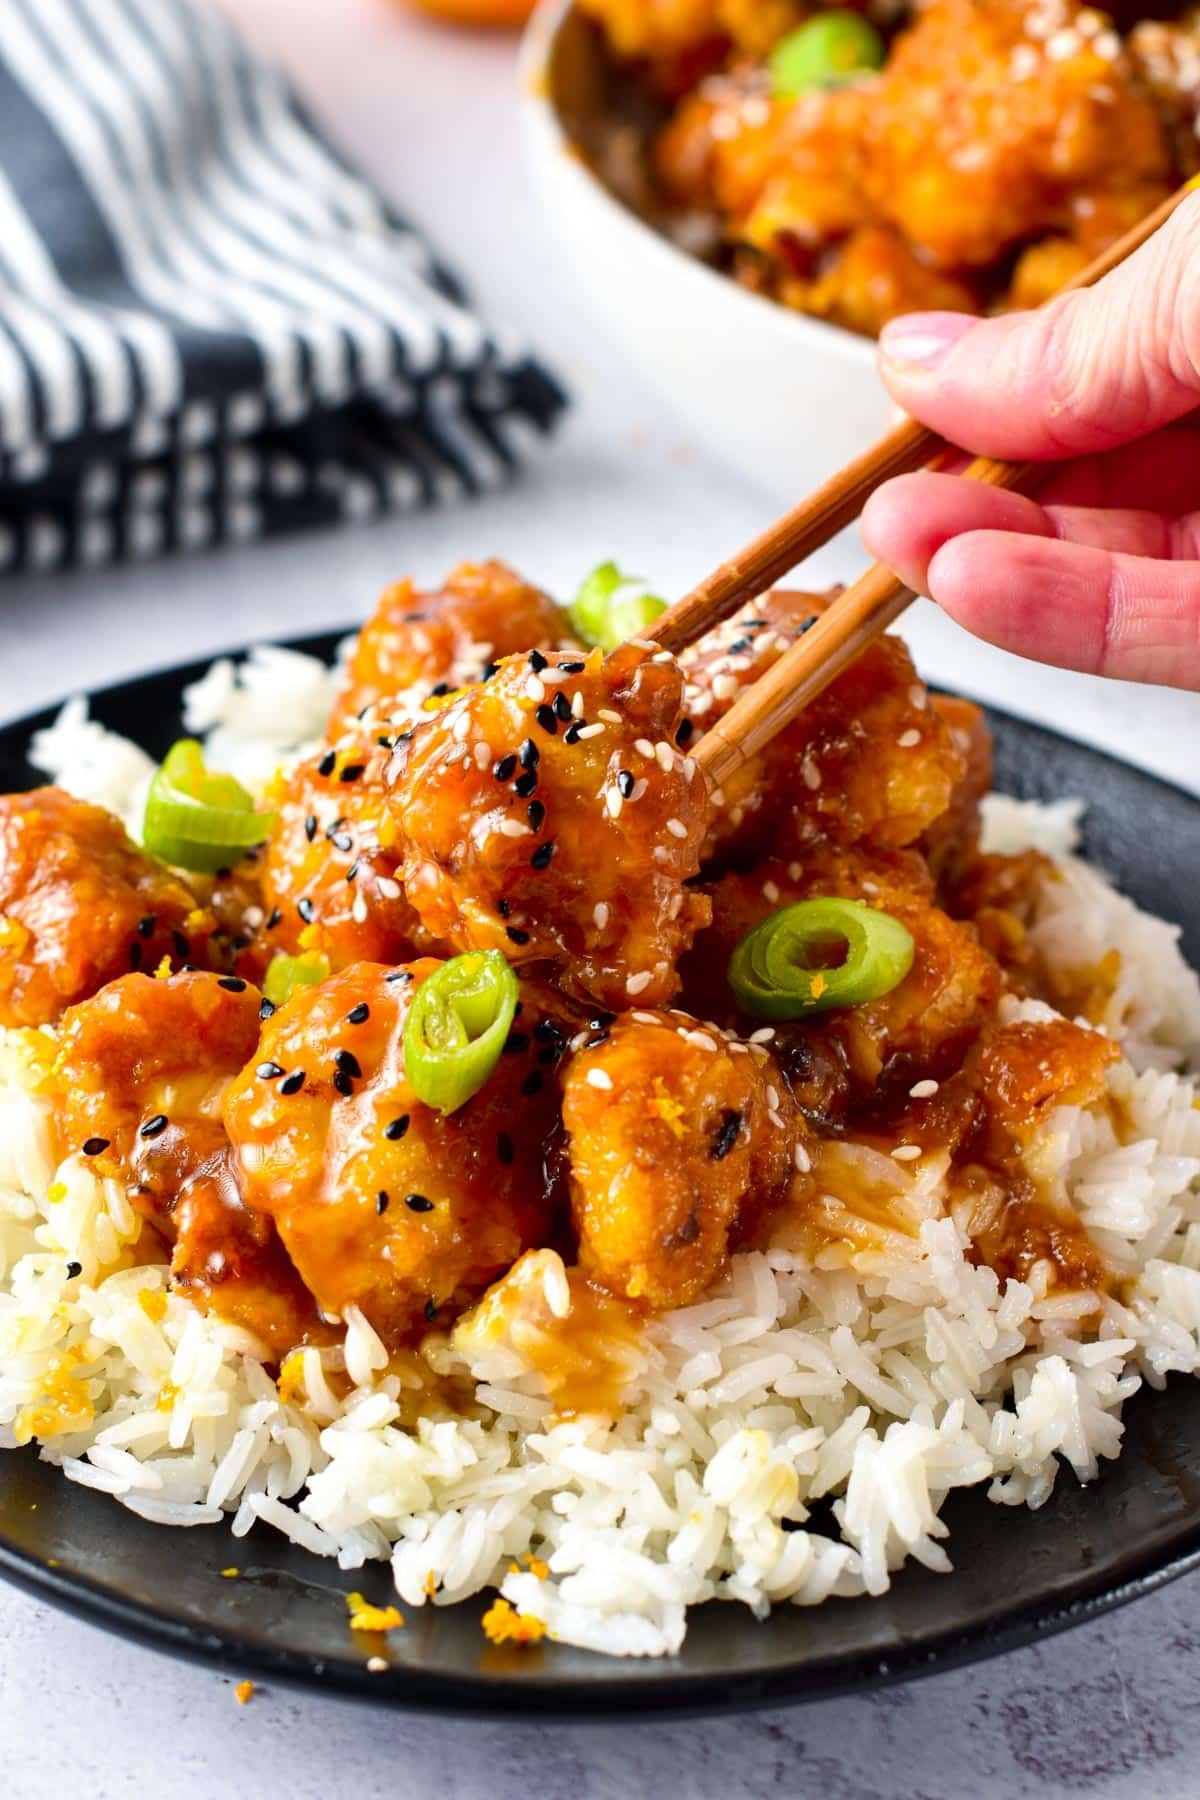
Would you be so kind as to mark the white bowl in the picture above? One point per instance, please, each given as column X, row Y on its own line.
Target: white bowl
column 786, row 398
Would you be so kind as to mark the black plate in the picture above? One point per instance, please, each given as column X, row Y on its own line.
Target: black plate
column 1016, row 1575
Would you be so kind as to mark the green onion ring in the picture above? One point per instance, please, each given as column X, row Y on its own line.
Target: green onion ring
column 775, row 974
column 286, row 974
column 457, row 1026
column 611, row 607
column 831, row 50
column 196, row 820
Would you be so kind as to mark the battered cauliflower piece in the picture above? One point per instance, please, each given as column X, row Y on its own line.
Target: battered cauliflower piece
column 921, row 1029
column 141, row 1071
column 80, row 904
column 330, row 882
column 870, row 758
column 381, row 1201
column 548, row 813
column 677, row 1139
column 421, row 645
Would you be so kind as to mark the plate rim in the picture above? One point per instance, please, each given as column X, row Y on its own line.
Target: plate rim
column 557, row 1697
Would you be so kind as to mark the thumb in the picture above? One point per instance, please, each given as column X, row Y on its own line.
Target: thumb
column 1090, row 370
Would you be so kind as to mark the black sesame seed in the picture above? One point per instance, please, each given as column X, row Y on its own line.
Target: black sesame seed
column 135, row 956
column 440, row 691
column 562, row 708
column 342, row 841
column 546, row 719
column 537, row 661
column 146, row 926
column 266, row 1009
column 731, row 1124
column 275, row 918
column 548, row 1031
column 516, row 1043
column 488, row 670
column 306, row 910
column 418, row 1203
column 625, row 783
column 94, row 1145
column 343, row 1084
column 543, row 855
column 683, row 734
column 358, row 1015
column 431, row 1310
column 327, row 764
column 528, row 754
column 516, row 935
column 807, row 625
column 597, row 1037
column 180, row 944
column 310, row 827
column 504, row 1148
column 294, row 1082
column 740, row 646
column 572, row 733
column 381, row 1201
column 74, row 1269
column 526, row 784
column 352, row 771
column 348, row 1063
column 399, row 975
column 269, row 1071
column 352, row 871
column 505, row 769
column 532, row 1083
column 571, row 668
column 233, row 984
column 599, row 1020
column 395, row 1129
column 535, row 812
column 503, row 908
column 154, row 1127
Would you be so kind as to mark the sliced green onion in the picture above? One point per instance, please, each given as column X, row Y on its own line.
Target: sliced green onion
column 829, row 51
column 288, row 973
column 611, row 607
column 195, row 820
column 457, row 1026
column 819, row 954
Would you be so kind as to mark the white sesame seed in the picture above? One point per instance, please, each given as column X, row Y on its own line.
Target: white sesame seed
column 614, row 802
column 535, row 688
column 358, row 912
column 906, row 1152
column 802, row 1159
column 599, row 1078
column 388, row 889
column 811, row 774
column 775, row 1118
column 639, row 788
column 461, row 728
column 665, row 755
column 609, row 717
column 638, row 982
column 908, row 739
column 795, row 871
column 724, row 687
column 770, row 893
column 921, row 1090
column 699, row 705
column 514, row 828
column 918, row 696
column 645, row 1018
column 773, row 1098
column 660, row 854
column 643, row 746
column 677, row 828
column 700, row 1039
column 483, row 755
column 664, row 656
column 590, row 731
column 763, row 1035
column 577, row 704
column 600, row 914
column 253, row 917
column 739, row 1049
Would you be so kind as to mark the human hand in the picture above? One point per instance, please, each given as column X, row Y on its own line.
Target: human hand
column 1102, row 571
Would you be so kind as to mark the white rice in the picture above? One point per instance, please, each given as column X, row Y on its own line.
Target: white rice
column 872, row 1390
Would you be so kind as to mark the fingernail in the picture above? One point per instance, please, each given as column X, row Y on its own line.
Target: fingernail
column 921, row 340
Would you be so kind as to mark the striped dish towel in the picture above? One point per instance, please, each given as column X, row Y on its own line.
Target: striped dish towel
column 211, row 329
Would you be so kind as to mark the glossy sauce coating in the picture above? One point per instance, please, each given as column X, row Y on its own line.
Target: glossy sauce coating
column 80, row 905
column 381, row 1202
column 549, row 814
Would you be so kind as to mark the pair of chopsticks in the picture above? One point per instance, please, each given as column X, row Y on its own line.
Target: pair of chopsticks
column 875, row 599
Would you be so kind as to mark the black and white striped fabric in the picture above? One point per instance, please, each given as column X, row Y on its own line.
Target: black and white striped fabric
column 211, row 329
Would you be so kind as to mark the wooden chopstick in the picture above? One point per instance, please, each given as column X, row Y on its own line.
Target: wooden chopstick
column 866, row 608
column 839, row 500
